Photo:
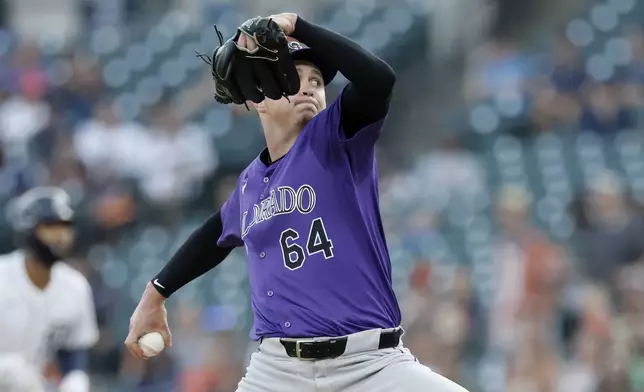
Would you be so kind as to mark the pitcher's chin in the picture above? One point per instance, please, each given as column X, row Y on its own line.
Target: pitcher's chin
column 305, row 113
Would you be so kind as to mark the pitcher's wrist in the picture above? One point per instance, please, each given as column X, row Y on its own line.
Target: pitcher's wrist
column 153, row 295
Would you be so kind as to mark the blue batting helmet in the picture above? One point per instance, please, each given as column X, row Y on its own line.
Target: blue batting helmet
column 37, row 206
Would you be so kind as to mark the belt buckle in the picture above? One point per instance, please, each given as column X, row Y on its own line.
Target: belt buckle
column 298, row 351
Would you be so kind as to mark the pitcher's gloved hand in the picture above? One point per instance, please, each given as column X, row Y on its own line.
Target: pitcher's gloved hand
column 254, row 64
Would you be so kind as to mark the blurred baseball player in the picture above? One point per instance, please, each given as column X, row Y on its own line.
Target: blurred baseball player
column 16, row 375
column 47, row 307
column 306, row 211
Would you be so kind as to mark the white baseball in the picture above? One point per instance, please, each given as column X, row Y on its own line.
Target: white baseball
column 151, row 344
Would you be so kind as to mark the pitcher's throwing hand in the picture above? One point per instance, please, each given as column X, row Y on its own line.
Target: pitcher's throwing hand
column 150, row 315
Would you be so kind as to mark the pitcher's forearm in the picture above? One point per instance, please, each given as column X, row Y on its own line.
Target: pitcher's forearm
column 198, row 255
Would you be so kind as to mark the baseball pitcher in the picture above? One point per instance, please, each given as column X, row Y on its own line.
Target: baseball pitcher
column 306, row 211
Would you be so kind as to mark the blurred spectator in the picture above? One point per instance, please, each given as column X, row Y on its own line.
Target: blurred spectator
column 568, row 74
column 603, row 111
column 65, row 169
column 108, row 146
column 419, row 297
column 24, row 114
column 27, row 62
column 52, row 140
column 437, row 319
column 613, row 240
column 451, row 171
column 16, row 176
column 635, row 69
column 633, row 83
column 583, row 371
column 552, row 111
column 113, row 205
column 452, row 325
column 419, row 233
column 84, row 88
column 193, row 346
column 556, row 96
column 177, row 159
column 529, row 275
column 497, row 69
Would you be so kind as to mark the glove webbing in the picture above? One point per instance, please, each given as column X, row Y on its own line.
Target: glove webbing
column 208, row 60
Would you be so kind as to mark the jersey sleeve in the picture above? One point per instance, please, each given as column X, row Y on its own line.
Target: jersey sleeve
column 84, row 334
column 231, row 221
column 327, row 128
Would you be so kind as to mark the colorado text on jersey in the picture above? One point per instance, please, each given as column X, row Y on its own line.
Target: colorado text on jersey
column 284, row 200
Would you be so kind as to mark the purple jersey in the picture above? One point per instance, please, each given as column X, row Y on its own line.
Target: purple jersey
column 310, row 222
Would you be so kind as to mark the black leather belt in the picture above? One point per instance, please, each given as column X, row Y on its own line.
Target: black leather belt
column 333, row 348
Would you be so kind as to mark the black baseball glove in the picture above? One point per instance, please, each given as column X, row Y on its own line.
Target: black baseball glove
column 266, row 72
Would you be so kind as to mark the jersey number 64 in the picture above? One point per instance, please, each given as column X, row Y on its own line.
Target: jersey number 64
column 318, row 241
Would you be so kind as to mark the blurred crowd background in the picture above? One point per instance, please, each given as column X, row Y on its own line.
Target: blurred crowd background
column 512, row 177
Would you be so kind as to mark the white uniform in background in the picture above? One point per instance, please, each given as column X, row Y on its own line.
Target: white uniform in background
column 16, row 375
column 36, row 323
